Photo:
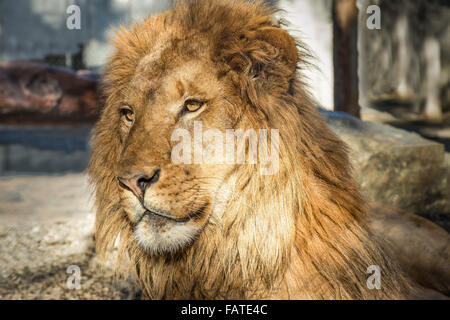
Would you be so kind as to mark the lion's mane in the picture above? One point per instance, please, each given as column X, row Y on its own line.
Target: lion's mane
column 298, row 234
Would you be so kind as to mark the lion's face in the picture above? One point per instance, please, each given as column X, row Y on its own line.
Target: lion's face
column 169, row 202
column 165, row 83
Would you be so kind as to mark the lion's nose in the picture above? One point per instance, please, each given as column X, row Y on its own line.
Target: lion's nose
column 140, row 182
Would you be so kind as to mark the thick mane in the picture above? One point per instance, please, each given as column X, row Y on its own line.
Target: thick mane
column 300, row 233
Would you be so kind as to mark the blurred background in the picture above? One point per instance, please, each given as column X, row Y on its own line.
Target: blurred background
column 382, row 81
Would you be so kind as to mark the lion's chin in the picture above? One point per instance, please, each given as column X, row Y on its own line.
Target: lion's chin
column 158, row 235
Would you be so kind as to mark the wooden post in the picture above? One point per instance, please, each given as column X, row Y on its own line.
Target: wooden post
column 345, row 56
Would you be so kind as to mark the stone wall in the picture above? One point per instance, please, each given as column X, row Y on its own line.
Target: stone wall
column 409, row 57
column 34, row 29
column 43, row 149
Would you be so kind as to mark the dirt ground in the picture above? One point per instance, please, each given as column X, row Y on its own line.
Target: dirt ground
column 46, row 226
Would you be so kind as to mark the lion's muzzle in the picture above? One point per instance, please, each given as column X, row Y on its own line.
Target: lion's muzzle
column 138, row 183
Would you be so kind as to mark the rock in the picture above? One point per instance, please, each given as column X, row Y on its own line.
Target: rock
column 396, row 167
column 439, row 209
column 38, row 92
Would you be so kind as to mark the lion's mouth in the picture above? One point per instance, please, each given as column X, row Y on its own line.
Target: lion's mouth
column 165, row 215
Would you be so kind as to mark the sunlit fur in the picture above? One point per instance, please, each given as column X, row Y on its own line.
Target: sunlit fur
column 300, row 233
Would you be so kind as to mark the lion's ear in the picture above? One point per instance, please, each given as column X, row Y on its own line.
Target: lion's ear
column 266, row 51
column 281, row 40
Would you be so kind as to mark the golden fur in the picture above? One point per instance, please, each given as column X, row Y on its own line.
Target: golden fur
column 300, row 233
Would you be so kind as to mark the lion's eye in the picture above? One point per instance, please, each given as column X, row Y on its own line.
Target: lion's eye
column 193, row 105
column 127, row 114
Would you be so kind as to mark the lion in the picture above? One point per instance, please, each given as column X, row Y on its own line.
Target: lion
column 223, row 230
